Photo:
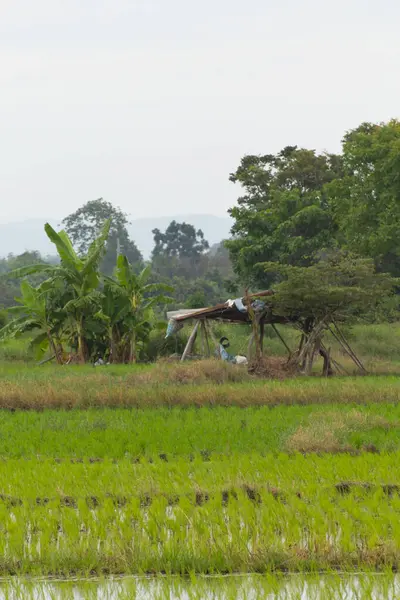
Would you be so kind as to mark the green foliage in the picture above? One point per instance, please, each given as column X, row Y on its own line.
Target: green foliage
column 365, row 201
column 283, row 216
column 298, row 206
column 3, row 317
column 199, row 275
column 196, row 300
column 10, row 289
column 339, row 286
column 32, row 314
column 79, row 308
column 179, row 240
column 128, row 309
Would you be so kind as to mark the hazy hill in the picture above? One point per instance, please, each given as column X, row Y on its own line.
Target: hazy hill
column 19, row 236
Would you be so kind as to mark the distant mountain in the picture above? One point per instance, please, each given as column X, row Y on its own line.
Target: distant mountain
column 17, row 237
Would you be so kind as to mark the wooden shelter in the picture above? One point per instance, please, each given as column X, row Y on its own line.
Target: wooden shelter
column 254, row 310
column 232, row 311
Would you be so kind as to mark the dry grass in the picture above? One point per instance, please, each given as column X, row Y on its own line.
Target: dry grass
column 72, row 387
column 328, row 431
column 202, row 383
column 191, row 372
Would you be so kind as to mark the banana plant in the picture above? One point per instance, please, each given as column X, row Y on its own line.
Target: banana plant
column 81, row 278
column 114, row 309
column 81, row 274
column 138, row 297
column 32, row 313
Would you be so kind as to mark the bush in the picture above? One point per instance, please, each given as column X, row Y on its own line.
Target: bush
column 16, row 350
column 157, row 346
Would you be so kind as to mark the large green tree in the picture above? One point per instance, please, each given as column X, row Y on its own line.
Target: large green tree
column 366, row 201
column 85, row 224
column 180, row 240
column 283, row 215
column 179, row 251
column 198, row 273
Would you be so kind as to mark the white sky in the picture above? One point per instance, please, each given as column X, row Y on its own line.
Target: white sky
column 151, row 103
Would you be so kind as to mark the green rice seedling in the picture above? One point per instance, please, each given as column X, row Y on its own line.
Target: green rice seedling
column 164, row 434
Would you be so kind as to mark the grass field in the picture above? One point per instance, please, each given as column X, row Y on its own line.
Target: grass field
column 202, row 383
column 202, row 468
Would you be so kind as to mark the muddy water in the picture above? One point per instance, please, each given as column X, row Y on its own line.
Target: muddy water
column 246, row 587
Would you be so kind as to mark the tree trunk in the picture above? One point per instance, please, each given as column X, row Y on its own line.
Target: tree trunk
column 133, row 349
column 82, row 350
column 53, row 347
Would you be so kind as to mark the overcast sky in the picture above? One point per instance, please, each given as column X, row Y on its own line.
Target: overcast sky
column 152, row 103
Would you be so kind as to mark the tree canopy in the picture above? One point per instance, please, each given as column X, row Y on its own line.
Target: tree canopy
column 365, row 202
column 180, row 240
column 299, row 205
column 284, row 214
column 84, row 225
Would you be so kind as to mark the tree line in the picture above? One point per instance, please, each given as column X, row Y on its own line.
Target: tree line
column 321, row 229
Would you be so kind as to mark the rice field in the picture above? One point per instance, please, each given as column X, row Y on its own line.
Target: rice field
column 206, row 432
column 250, row 514
column 197, row 481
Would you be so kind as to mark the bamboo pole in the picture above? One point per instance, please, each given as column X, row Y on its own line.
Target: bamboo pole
column 255, row 326
column 190, row 342
column 346, row 347
column 262, row 331
column 207, row 341
column 274, row 327
column 202, row 339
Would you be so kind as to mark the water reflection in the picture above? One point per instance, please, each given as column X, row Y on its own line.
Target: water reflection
column 246, row 587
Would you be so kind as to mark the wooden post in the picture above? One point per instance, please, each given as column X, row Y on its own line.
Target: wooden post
column 215, row 341
column 190, row 342
column 262, row 328
column 206, row 340
column 255, row 322
column 249, row 347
